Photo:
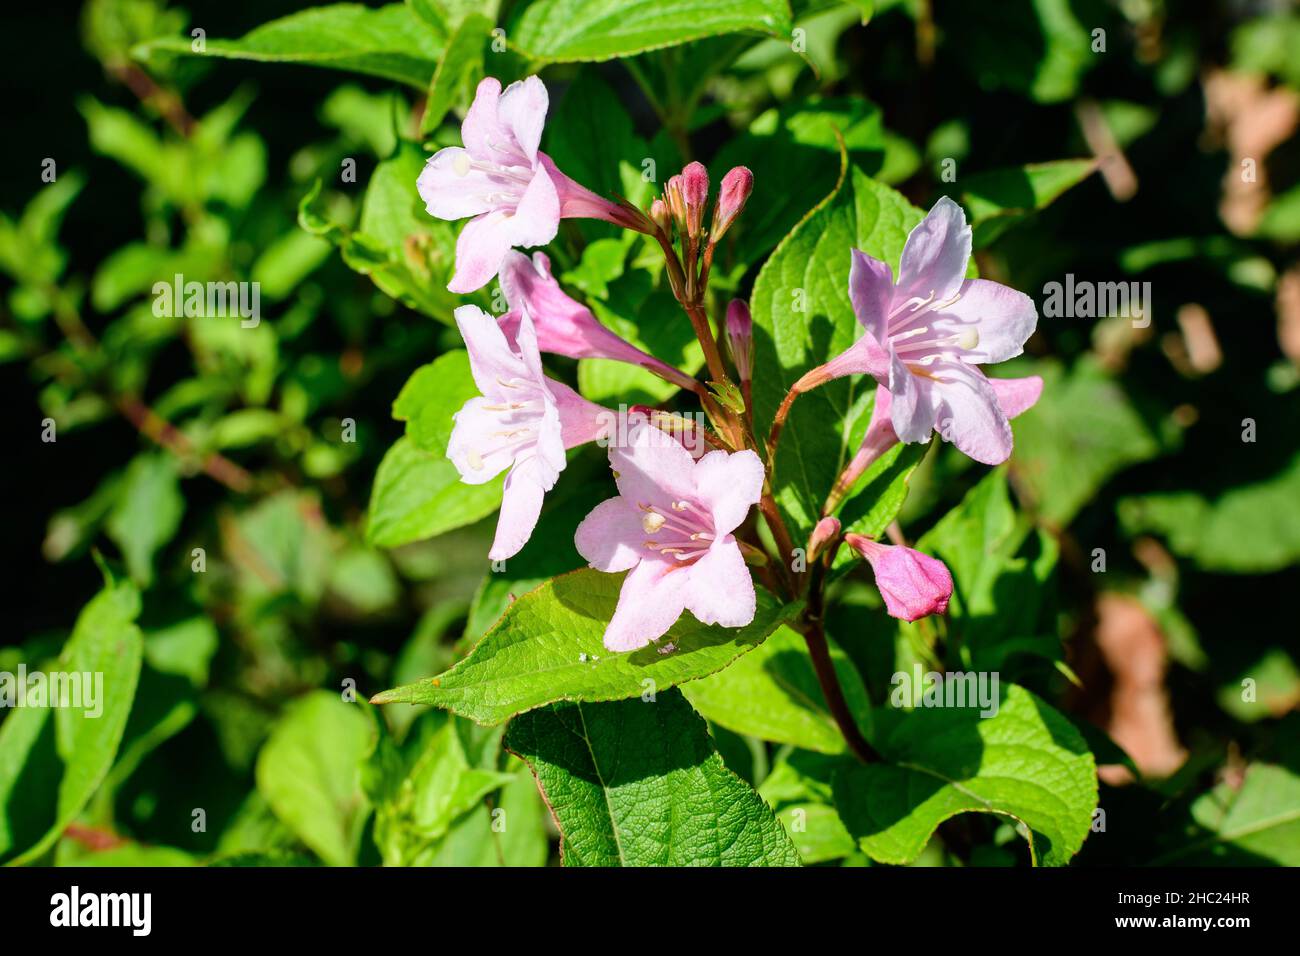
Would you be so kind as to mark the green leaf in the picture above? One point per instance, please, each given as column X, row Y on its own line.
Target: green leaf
column 1027, row 763
column 639, row 783
column 419, row 495
column 52, row 760
column 147, row 513
column 992, row 555
column 999, row 198
column 309, row 772
column 1253, row 528
column 440, row 787
column 388, row 42
column 431, row 396
column 548, row 648
column 1082, row 431
column 566, row 30
column 773, row 693
column 1251, row 822
column 460, row 61
column 802, row 316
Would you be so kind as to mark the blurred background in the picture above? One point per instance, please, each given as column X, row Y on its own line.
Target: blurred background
column 227, row 473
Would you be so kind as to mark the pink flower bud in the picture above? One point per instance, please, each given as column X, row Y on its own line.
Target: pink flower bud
column 695, row 193
column 675, row 201
column 825, row 533
column 913, row 584
column 740, row 336
column 732, row 196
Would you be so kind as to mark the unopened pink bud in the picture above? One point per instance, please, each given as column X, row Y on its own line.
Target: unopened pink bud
column 913, row 584
column 695, row 193
column 825, row 533
column 740, row 336
column 732, row 196
column 675, row 201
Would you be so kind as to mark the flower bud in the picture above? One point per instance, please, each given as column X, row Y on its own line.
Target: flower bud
column 913, row 584
column 676, row 202
column 740, row 336
column 824, row 534
column 732, row 196
column 695, row 193
column 661, row 217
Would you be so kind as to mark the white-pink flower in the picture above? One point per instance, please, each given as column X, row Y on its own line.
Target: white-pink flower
column 926, row 335
column 524, row 421
column 514, row 192
column 671, row 529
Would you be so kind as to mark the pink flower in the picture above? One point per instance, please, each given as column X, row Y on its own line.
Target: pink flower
column 671, row 529
column 913, row 584
column 524, row 421
column 565, row 327
column 732, row 196
column 515, row 193
column 926, row 335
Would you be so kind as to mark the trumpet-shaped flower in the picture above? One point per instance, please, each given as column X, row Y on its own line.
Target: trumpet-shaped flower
column 514, row 192
column 523, row 421
column 926, row 335
column 565, row 327
column 671, row 529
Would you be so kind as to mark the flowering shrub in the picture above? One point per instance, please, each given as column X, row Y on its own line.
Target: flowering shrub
column 655, row 433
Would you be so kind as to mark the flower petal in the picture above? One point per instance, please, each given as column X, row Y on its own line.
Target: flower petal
column 521, row 504
column 968, row 415
column 935, row 256
column 722, row 589
column 522, row 109
column 467, row 447
column 871, row 289
column 536, row 219
column 1003, row 318
column 611, row 537
column 491, row 359
column 450, row 189
column 1016, row 395
column 482, row 244
column 482, row 132
column 728, row 484
column 652, row 467
column 911, row 403
column 651, row 600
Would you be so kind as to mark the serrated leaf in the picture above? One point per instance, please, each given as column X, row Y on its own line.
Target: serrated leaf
column 1028, row 763
column 566, row 30
column 460, row 60
column 639, row 783
column 388, row 42
column 773, row 694
column 548, row 647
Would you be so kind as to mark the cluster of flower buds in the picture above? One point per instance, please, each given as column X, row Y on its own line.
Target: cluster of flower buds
column 682, row 211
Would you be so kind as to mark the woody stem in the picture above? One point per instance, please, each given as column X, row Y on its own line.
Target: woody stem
column 819, row 651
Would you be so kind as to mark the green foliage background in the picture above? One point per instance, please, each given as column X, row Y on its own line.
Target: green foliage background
column 251, row 531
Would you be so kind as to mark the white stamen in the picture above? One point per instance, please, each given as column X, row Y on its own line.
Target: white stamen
column 652, row 521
